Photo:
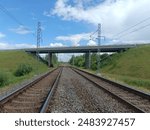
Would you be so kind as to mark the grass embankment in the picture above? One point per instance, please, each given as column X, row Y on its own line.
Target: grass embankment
column 11, row 60
column 131, row 67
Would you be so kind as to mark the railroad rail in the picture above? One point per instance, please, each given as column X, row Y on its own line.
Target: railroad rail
column 42, row 96
column 33, row 97
column 135, row 99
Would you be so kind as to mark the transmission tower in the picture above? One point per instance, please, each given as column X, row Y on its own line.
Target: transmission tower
column 39, row 39
column 39, row 36
column 99, row 50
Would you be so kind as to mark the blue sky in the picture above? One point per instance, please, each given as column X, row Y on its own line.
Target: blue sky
column 70, row 22
column 28, row 14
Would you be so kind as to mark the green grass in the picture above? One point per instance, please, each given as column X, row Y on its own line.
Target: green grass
column 11, row 60
column 142, row 84
column 131, row 67
column 3, row 79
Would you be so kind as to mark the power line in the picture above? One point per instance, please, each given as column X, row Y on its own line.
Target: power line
column 10, row 15
column 129, row 28
column 140, row 28
column 2, row 8
column 92, row 34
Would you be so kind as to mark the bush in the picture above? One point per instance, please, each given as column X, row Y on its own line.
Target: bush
column 3, row 79
column 23, row 69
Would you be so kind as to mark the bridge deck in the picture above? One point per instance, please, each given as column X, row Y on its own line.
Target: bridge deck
column 81, row 49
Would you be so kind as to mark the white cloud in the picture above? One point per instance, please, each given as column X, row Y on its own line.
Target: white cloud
column 64, row 57
column 74, row 39
column 2, row 35
column 24, row 45
column 56, row 45
column 5, row 46
column 45, row 13
column 114, row 15
column 21, row 30
column 91, row 43
column 67, row 57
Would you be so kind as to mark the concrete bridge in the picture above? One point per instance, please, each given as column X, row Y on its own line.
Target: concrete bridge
column 81, row 49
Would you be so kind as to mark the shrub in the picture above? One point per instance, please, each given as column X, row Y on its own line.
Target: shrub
column 23, row 69
column 3, row 79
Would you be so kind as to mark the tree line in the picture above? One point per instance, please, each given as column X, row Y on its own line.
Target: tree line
column 79, row 61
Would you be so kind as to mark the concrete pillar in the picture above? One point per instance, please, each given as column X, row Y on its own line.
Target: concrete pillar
column 87, row 60
column 50, row 64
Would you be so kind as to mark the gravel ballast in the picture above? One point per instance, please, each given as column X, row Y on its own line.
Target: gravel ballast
column 76, row 94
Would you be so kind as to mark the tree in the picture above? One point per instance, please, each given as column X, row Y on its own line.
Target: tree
column 77, row 61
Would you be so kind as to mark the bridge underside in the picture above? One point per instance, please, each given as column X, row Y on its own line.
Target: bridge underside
column 82, row 49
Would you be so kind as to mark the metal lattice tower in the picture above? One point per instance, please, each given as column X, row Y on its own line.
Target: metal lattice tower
column 98, row 51
column 39, row 36
column 39, row 39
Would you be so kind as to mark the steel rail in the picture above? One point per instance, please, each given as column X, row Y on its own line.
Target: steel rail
column 50, row 94
column 125, row 87
column 26, row 86
column 145, row 95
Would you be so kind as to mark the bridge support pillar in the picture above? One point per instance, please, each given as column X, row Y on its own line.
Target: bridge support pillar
column 87, row 60
column 50, row 59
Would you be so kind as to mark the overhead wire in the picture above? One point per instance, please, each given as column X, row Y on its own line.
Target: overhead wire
column 140, row 28
column 92, row 34
column 2, row 8
column 123, row 33
column 5, row 10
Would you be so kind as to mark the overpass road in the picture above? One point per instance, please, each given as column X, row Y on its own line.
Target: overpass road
column 82, row 49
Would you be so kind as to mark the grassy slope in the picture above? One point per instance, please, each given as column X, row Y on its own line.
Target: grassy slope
column 131, row 67
column 9, row 61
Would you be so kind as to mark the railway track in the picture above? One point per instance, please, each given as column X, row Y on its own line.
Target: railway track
column 33, row 97
column 77, row 91
column 135, row 99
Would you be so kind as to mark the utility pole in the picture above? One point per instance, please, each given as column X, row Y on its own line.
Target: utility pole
column 39, row 38
column 99, row 50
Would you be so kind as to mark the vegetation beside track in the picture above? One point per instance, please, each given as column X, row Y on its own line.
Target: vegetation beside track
column 13, row 61
column 131, row 67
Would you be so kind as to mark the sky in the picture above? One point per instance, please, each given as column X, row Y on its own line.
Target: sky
column 73, row 22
